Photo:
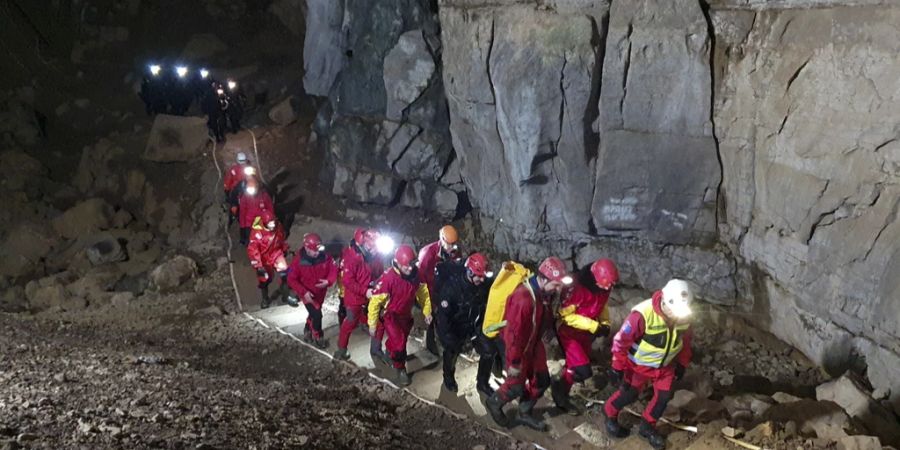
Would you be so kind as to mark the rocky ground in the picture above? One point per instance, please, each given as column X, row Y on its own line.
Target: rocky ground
column 175, row 371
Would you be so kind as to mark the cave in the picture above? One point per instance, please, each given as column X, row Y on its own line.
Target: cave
column 750, row 148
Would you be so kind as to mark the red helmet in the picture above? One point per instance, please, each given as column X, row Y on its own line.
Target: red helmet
column 359, row 235
column 405, row 255
column 605, row 273
column 369, row 238
column 267, row 216
column 478, row 264
column 554, row 269
column 312, row 242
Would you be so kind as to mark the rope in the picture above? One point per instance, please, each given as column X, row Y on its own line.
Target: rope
column 237, row 293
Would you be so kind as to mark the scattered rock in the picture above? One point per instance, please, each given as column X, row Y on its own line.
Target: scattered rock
column 85, row 218
column 107, row 249
column 681, row 398
column 23, row 249
column 121, row 219
column 283, row 113
column 781, row 397
column 176, row 139
column 173, row 273
column 763, row 431
column 859, row 443
column 812, row 417
column 47, row 297
column 847, row 393
column 732, row 432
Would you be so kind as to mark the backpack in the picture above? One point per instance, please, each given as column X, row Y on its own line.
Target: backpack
column 510, row 277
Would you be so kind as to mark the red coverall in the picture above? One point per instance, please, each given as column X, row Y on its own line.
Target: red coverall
column 637, row 376
column 233, row 177
column 303, row 276
column 356, row 276
column 582, row 312
column 525, row 351
column 397, row 293
column 252, row 206
column 266, row 250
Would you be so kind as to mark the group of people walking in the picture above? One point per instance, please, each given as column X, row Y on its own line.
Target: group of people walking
column 172, row 90
column 504, row 316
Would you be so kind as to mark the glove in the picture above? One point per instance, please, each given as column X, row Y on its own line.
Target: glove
column 602, row 330
column 260, row 272
column 679, row 371
column 615, row 376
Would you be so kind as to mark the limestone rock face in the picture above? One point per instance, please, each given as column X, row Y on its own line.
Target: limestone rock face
column 323, row 46
column 520, row 140
column 806, row 114
column 407, row 69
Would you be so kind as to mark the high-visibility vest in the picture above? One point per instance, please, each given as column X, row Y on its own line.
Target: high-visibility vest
column 661, row 343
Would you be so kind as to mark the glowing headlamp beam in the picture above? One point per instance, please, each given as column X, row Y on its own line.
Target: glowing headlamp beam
column 384, row 245
column 204, row 73
column 181, row 71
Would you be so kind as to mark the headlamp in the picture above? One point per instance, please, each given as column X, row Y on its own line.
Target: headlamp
column 320, row 248
column 567, row 280
column 249, row 170
column 231, row 85
column 154, row 69
column 281, row 266
column 181, row 71
column 204, row 73
column 489, row 274
column 680, row 310
column 251, row 190
column 384, row 245
column 220, row 92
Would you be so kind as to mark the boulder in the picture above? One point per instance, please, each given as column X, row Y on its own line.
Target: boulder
column 96, row 285
column 781, row 397
column 87, row 217
column 859, row 443
column 408, row 68
column 24, row 248
column 19, row 168
column 173, row 273
column 847, row 393
column 822, row 419
column 121, row 219
column 96, row 171
column 283, row 113
column 106, row 249
column 176, row 139
column 48, row 297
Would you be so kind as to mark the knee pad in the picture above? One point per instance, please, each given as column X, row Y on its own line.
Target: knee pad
column 662, row 400
column 581, row 373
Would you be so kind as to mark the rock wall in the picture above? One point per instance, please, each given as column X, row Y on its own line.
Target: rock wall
column 385, row 123
column 750, row 146
column 806, row 113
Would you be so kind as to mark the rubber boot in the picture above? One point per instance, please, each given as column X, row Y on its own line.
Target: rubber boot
column 321, row 342
column 485, row 388
column 283, row 290
column 292, row 300
column 376, row 351
column 525, row 417
column 652, row 436
column 307, row 335
column 494, row 405
column 450, row 383
column 342, row 354
column 561, row 396
column 266, row 301
column 403, row 378
column 614, row 428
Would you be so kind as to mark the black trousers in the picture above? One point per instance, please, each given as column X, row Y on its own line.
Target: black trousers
column 491, row 352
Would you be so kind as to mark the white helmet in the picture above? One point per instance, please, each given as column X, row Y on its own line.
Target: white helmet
column 241, row 157
column 677, row 297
